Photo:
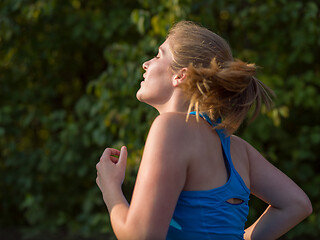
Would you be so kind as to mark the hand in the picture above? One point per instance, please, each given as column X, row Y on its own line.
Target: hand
column 111, row 170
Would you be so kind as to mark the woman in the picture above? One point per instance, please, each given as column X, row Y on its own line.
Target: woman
column 195, row 179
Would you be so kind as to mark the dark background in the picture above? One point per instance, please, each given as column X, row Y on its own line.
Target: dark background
column 69, row 71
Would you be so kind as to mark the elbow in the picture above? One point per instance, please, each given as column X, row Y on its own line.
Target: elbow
column 305, row 207
column 308, row 208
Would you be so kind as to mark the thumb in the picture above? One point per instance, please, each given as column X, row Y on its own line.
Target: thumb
column 123, row 155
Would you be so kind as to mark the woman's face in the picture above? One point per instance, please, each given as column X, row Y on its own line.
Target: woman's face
column 157, row 88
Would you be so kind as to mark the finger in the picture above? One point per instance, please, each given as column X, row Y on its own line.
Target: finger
column 97, row 166
column 111, row 151
column 123, row 156
column 114, row 159
column 97, row 182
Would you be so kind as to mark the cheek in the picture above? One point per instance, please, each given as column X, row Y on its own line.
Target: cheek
column 161, row 75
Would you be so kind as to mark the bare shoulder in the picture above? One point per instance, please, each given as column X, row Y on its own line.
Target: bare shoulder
column 170, row 133
column 242, row 144
column 238, row 141
column 239, row 147
column 253, row 156
column 169, row 125
column 161, row 176
column 170, row 119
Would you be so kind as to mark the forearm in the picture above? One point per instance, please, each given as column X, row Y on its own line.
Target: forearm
column 273, row 223
column 118, row 210
column 125, row 227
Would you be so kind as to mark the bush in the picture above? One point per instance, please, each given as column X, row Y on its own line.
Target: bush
column 69, row 71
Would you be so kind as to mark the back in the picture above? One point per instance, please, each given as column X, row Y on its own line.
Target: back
column 214, row 203
column 207, row 167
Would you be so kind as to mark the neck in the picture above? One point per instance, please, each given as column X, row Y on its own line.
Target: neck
column 177, row 103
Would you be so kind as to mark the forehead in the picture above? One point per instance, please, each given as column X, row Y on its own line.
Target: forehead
column 164, row 46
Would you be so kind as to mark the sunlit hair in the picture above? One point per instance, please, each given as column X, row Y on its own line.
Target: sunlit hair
column 216, row 83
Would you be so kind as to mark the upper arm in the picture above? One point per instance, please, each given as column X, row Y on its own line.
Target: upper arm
column 270, row 184
column 160, row 179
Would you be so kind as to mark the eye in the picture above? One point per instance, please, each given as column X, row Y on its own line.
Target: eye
column 157, row 56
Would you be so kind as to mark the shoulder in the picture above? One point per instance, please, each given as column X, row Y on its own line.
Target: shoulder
column 169, row 125
column 237, row 140
column 170, row 119
column 241, row 144
column 246, row 149
column 169, row 133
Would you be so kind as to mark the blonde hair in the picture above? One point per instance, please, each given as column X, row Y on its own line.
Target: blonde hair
column 216, row 83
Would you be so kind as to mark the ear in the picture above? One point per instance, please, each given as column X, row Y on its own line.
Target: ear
column 179, row 77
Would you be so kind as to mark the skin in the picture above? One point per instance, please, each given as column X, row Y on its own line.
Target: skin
column 180, row 155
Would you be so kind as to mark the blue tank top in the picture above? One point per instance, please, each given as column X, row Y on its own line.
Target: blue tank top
column 207, row 214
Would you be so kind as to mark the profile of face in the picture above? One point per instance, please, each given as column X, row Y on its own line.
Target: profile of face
column 157, row 87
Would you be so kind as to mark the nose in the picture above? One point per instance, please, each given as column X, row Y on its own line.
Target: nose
column 145, row 65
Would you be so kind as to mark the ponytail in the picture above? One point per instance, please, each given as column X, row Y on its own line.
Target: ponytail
column 215, row 83
column 226, row 91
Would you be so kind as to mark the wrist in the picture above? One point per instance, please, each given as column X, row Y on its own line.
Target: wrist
column 112, row 195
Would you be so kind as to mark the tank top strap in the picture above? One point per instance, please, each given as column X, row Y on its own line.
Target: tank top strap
column 225, row 140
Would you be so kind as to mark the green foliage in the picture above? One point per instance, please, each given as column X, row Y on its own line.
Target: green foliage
column 69, row 71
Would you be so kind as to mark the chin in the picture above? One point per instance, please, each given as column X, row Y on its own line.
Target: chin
column 138, row 96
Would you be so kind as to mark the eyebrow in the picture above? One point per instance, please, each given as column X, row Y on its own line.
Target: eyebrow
column 161, row 49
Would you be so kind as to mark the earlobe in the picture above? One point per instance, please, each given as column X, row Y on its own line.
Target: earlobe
column 180, row 77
